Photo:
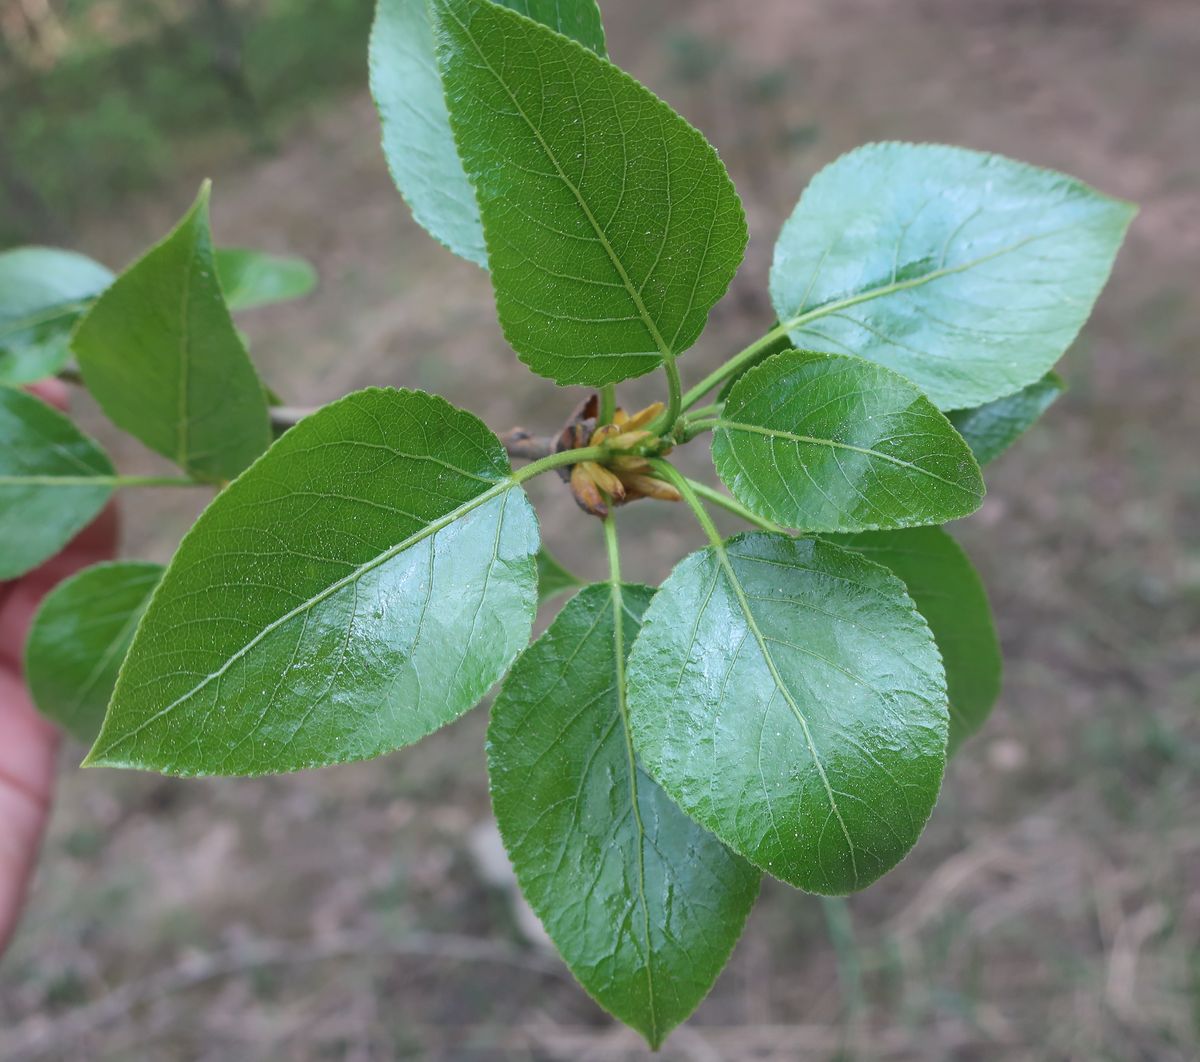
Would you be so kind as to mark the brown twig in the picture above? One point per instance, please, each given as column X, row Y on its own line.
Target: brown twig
column 520, row 444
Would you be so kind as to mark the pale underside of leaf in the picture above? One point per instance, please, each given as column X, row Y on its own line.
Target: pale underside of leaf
column 417, row 140
column 970, row 274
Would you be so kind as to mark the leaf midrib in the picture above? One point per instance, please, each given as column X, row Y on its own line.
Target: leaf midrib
column 618, row 604
column 630, row 288
column 718, row 547
column 779, row 433
column 838, row 305
column 97, row 754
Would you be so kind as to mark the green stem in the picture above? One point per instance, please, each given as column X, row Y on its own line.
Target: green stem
column 681, row 483
column 721, row 374
column 732, row 505
column 614, row 552
column 101, row 481
column 608, row 403
column 711, row 410
column 665, row 421
column 559, row 460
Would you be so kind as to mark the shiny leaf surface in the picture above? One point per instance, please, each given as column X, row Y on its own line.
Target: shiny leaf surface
column 43, row 292
column 417, row 140
column 611, row 225
column 788, row 695
column 79, row 638
column 54, row 480
column 160, row 354
column 363, row 584
column 969, row 274
column 949, row 594
column 823, row 442
column 643, row 904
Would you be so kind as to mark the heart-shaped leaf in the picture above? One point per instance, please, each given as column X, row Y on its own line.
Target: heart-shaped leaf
column 993, row 428
column 363, row 584
column 250, row 279
column 643, row 904
column 43, row 292
column 160, row 354
column 948, row 593
column 79, row 638
column 612, row 227
column 417, row 140
column 790, row 698
column 54, row 480
column 969, row 274
column 823, row 442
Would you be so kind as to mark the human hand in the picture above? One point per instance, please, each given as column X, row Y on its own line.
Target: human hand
column 28, row 742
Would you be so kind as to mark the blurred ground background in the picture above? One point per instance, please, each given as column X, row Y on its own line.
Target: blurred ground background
column 1052, row 910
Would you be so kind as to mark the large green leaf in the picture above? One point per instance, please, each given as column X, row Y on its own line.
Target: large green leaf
column 612, row 227
column 80, row 636
column 364, row 583
column 250, row 279
column 791, row 699
column 949, row 594
column 161, row 355
column 417, row 140
column 823, row 442
column 970, row 274
column 53, row 482
column 992, row 428
column 643, row 904
column 43, row 292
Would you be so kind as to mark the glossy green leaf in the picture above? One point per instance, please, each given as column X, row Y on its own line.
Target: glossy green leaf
column 43, row 292
column 417, row 140
column 778, row 346
column 250, row 279
column 991, row 429
column 970, row 274
column 54, row 480
column 790, row 698
column 949, row 594
column 823, row 442
column 160, row 354
column 363, row 584
column 611, row 225
column 78, row 639
column 643, row 904
column 553, row 578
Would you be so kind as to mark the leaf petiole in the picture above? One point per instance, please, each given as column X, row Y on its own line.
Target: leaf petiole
column 681, row 483
column 743, row 357
column 559, row 460
column 732, row 505
column 665, row 421
column 608, row 404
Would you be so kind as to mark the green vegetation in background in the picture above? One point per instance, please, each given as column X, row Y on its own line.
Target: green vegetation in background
column 103, row 122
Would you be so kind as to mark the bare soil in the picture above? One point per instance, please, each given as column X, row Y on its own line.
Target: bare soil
column 1051, row 912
